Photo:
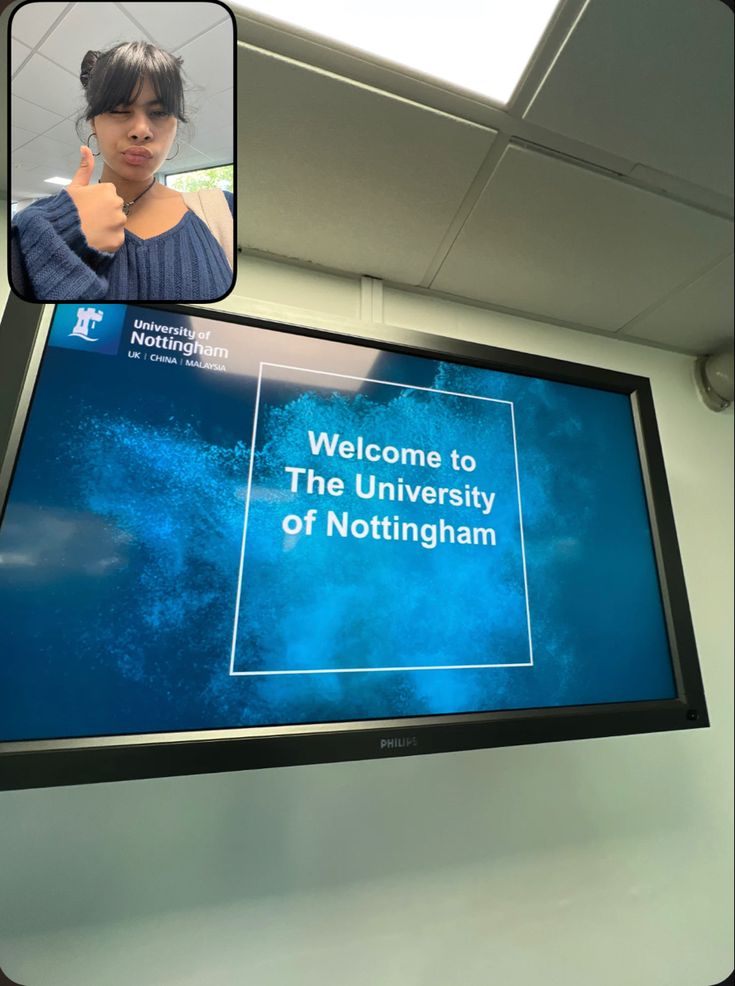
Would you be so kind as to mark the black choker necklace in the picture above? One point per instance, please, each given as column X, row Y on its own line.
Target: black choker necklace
column 127, row 206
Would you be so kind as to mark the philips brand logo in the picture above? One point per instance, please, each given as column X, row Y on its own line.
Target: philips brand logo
column 95, row 329
column 399, row 742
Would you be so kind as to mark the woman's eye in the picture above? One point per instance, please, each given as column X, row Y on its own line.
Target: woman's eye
column 158, row 114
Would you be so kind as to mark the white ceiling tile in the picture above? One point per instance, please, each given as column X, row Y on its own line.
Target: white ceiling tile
column 214, row 142
column 344, row 176
column 87, row 26
column 21, row 159
column 556, row 240
column 32, row 21
column 42, row 82
column 217, row 111
column 31, row 117
column 18, row 54
column 37, row 188
column 185, row 148
column 201, row 137
column 188, row 159
column 188, row 163
column 65, row 133
column 697, row 318
column 27, row 183
column 652, row 82
column 18, row 137
column 210, row 125
column 209, row 61
column 170, row 32
column 40, row 151
column 218, row 156
column 204, row 157
column 19, row 168
column 221, row 149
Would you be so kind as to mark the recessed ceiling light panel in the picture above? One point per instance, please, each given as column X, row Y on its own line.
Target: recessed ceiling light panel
column 482, row 46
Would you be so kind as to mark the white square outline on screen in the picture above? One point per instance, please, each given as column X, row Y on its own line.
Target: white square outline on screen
column 420, row 667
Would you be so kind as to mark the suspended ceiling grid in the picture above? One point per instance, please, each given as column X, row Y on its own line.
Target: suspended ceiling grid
column 600, row 197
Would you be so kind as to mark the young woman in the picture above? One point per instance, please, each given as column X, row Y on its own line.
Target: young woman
column 126, row 237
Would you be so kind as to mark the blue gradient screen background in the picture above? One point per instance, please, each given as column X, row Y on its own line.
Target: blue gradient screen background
column 157, row 572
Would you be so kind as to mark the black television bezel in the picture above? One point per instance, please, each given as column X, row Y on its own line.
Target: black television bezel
column 45, row 763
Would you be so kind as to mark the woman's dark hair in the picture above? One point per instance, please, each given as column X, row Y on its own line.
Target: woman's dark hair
column 115, row 77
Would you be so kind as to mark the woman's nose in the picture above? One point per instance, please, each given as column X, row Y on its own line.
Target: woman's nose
column 140, row 128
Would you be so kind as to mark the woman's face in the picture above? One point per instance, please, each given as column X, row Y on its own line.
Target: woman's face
column 134, row 140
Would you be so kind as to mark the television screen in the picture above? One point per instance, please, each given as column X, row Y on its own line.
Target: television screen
column 228, row 543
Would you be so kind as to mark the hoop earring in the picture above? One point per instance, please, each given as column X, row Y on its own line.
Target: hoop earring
column 174, row 155
column 88, row 140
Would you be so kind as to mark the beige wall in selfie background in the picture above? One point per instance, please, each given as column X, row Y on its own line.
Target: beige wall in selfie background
column 605, row 861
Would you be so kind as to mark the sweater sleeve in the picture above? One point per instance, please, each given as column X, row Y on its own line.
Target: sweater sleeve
column 18, row 276
column 57, row 261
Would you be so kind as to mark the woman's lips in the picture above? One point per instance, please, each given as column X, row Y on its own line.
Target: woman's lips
column 136, row 156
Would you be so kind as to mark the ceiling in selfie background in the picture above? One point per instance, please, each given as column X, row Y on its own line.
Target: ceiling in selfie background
column 48, row 42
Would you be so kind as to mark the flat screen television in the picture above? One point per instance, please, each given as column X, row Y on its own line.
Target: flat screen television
column 228, row 543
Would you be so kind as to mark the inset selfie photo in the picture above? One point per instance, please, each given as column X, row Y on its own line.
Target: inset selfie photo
column 122, row 172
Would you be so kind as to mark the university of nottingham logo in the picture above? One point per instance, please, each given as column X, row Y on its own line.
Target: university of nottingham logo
column 92, row 328
column 84, row 317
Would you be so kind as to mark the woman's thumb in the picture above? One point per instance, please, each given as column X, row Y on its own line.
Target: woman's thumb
column 86, row 167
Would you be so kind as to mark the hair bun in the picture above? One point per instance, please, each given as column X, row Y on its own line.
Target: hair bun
column 88, row 63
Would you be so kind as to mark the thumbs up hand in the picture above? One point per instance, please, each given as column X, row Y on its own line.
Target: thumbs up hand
column 86, row 167
column 99, row 206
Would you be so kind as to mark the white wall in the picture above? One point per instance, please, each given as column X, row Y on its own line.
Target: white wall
column 602, row 861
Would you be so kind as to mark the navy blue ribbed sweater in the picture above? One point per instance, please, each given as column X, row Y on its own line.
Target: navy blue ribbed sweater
column 50, row 259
